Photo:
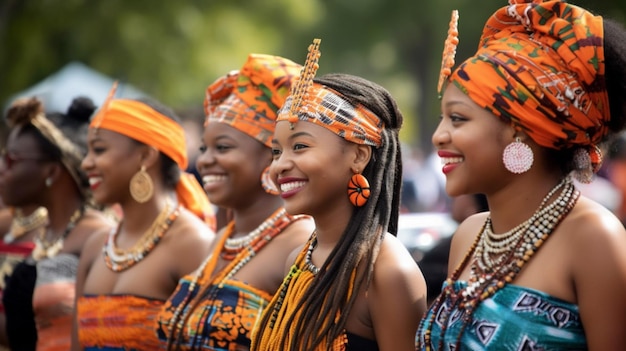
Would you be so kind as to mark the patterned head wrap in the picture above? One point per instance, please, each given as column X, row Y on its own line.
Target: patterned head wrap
column 315, row 103
column 139, row 121
column 540, row 65
column 248, row 99
column 31, row 111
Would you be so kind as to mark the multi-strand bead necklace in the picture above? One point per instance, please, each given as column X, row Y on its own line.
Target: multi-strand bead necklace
column 118, row 260
column 497, row 260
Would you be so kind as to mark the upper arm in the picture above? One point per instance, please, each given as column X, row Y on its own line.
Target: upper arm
column 396, row 298
column 89, row 253
column 599, row 261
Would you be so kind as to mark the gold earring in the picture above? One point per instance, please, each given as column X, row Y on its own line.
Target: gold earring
column 141, row 186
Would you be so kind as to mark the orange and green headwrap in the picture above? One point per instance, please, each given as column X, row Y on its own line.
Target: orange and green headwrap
column 540, row 65
column 140, row 122
column 249, row 99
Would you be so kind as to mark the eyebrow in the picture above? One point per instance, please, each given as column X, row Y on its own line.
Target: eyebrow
column 294, row 135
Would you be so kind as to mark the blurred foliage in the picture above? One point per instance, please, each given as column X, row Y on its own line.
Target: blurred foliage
column 173, row 49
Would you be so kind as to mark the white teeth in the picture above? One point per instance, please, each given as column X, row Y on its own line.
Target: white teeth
column 94, row 180
column 213, row 178
column 291, row 186
column 448, row 160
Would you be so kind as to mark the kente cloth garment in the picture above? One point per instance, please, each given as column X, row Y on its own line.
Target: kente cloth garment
column 248, row 99
column 222, row 321
column 53, row 301
column 141, row 122
column 228, row 309
column 10, row 255
column 514, row 318
column 117, row 322
column 540, row 65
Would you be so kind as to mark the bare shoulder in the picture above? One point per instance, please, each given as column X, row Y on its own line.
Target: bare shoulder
column 93, row 223
column 464, row 237
column 394, row 261
column 296, row 233
column 188, row 232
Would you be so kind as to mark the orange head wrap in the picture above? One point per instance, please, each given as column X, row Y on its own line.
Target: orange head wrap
column 249, row 99
column 540, row 65
column 140, row 122
column 327, row 108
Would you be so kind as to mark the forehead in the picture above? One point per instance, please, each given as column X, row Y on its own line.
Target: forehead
column 21, row 141
column 99, row 134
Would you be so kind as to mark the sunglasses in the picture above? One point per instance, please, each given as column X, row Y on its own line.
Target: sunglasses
column 11, row 159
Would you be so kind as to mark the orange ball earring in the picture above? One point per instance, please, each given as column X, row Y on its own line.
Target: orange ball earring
column 358, row 190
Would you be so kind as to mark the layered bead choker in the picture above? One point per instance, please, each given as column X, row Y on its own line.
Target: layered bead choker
column 118, row 260
column 233, row 246
column 497, row 259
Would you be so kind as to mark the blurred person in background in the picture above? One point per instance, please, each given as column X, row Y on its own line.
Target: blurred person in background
column 41, row 167
column 616, row 173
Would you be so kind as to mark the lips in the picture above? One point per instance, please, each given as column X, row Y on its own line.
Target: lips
column 94, row 182
column 449, row 160
column 290, row 186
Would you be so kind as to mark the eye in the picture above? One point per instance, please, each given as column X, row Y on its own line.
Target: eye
column 202, row 148
column 457, row 118
column 222, row 147
column 299, row 146
column 276, row 153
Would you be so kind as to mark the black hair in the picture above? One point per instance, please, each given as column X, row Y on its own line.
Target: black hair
column 169, row 169
column 361, row 240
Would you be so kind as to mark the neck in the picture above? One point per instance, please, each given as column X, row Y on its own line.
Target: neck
column 61, row 212
column 138, row 217
column 250, row 217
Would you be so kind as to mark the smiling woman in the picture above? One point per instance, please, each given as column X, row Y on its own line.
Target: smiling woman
column 136, row 156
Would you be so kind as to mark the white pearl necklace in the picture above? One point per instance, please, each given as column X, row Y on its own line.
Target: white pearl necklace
column 237, row 244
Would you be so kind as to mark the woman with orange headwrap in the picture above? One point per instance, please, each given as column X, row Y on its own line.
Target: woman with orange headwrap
column 545, row 269
column 216, row 307
column 136, row 154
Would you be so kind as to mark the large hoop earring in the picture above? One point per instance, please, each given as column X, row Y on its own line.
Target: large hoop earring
column 267, row 183
column 358, row 190
column 141, row 186
column 517, row 157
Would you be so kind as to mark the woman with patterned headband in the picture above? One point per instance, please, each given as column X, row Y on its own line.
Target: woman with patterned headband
column 216, row 307
column 353, row 286
column 41, row 167
column 545, row 269
column 136, row 156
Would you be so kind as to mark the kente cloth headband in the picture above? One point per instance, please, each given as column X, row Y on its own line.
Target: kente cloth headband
column 540, row 65
column 249, row 99
column 140, row 122
column 315, row 103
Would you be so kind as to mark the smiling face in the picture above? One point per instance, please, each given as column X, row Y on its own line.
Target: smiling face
column 470, row 141
column 112, row 159
column 312, row 167
column 231, row 163
column 22, row 170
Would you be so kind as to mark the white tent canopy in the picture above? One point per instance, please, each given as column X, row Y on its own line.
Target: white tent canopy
column 75, row 79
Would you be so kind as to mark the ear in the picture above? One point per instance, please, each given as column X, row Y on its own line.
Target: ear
column 362, row 156
column 53, row 171
column 149, row 156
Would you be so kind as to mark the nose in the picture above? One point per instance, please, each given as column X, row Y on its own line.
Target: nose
column 205, row 159
column 441, row 135
column 280, row 164
column 87, row 162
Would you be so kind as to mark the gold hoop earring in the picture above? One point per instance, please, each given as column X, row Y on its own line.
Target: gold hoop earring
column 141, row 186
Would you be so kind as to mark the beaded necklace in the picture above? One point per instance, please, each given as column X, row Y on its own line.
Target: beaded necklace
column 488, row 274
column 233, row 246
column 48, row 249
column 273, row 226
column 119, row 260
column 21, row 224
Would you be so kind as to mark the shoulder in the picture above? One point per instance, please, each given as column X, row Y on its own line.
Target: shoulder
column 188, row 229
column 296, row 233
column 395, row 265
column 93, row 223
column 464, row 237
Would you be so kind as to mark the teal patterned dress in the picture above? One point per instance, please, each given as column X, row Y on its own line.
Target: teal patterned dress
column 514, row 318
